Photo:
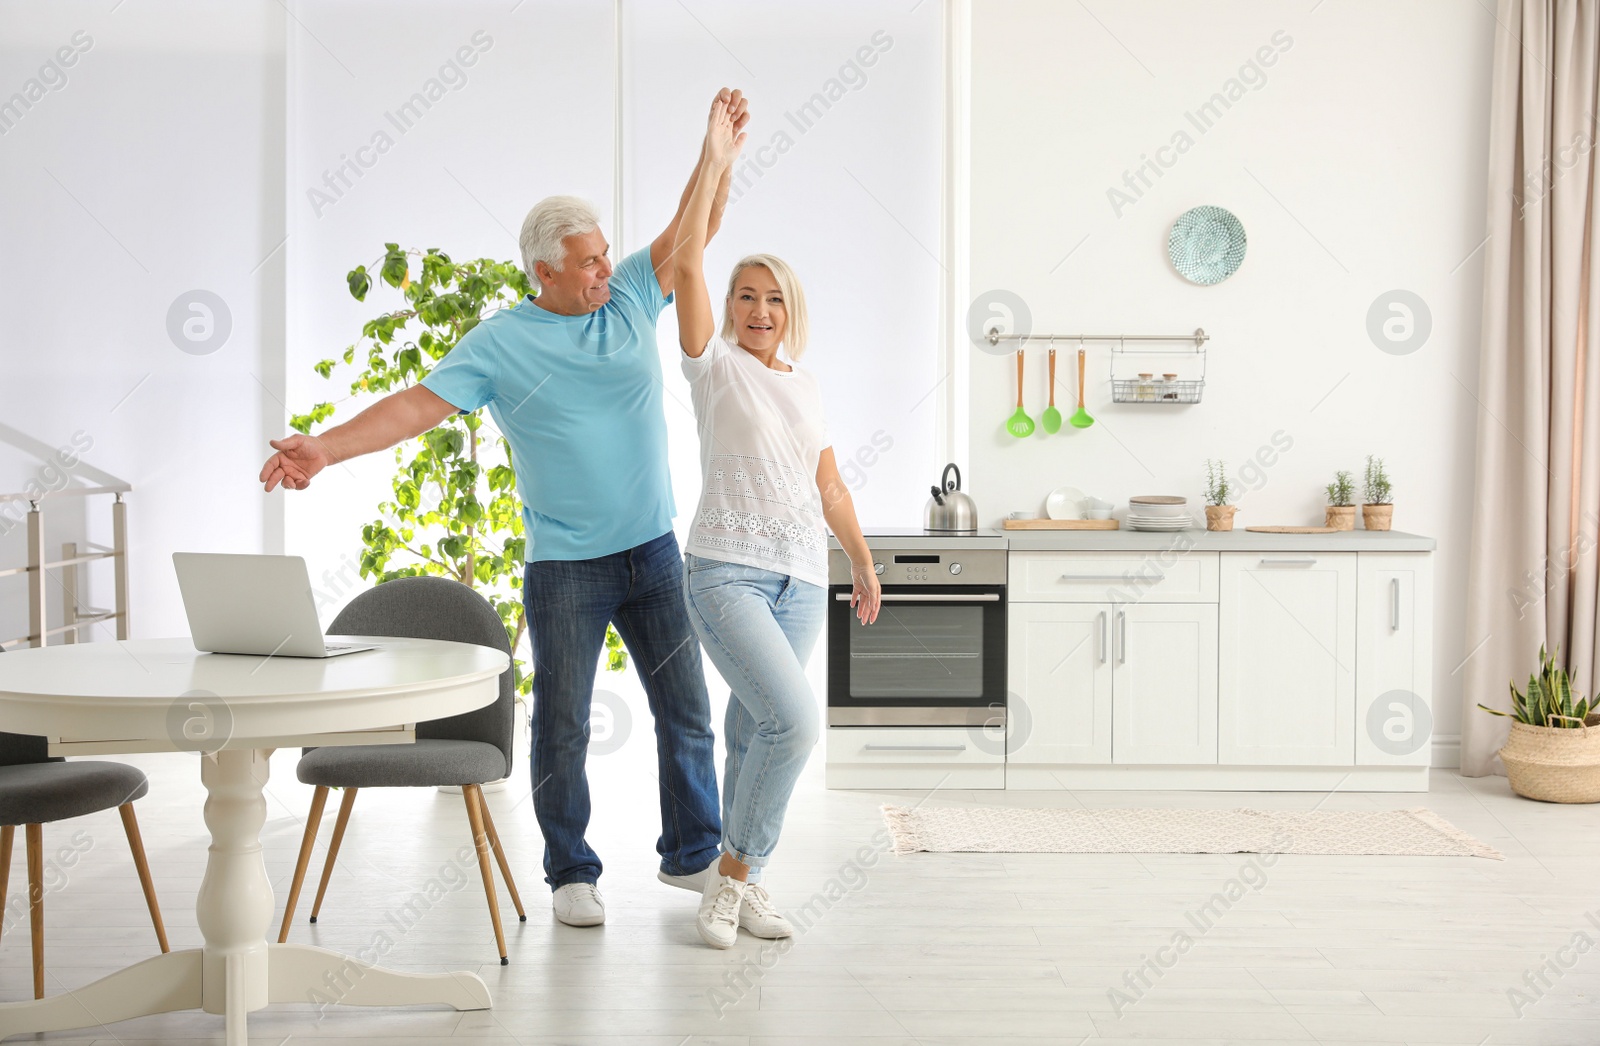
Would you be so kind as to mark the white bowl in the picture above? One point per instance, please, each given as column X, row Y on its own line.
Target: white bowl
column 1097, row 513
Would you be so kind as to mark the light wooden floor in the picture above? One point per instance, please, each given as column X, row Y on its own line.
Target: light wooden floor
column 972, row 949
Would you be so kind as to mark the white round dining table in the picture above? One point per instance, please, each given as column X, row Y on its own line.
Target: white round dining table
column 161, row 695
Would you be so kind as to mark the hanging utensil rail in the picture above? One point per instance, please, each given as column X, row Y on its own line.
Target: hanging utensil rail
column 1199, row 337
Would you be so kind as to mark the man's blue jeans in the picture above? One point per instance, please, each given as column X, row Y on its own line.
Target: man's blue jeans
column 569, row 603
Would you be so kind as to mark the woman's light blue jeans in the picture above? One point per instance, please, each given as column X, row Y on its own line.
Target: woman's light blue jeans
column 758, row 627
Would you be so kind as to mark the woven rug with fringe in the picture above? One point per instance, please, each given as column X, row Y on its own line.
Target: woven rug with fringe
column 989, row 829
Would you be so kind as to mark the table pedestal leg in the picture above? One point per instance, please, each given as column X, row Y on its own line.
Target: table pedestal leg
column 301, row 973
column 237, row 971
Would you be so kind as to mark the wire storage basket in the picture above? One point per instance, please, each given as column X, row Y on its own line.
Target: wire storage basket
column 1164, row 383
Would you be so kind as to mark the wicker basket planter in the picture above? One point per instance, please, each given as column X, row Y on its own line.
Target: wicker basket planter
column 1554, row 764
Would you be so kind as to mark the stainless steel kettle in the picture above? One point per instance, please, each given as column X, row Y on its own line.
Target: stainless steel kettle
column 950, row 511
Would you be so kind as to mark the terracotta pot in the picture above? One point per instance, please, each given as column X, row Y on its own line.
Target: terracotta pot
column 1554, row 764
column 1377, row 517
column 1220, row 517
column 1340, row 517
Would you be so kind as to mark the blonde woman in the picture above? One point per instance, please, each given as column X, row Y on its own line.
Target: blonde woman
column 757, row 565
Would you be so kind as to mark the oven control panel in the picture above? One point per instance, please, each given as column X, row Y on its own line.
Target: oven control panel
column 920, row 566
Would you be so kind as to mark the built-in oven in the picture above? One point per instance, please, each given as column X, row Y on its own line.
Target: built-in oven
column 936, row 656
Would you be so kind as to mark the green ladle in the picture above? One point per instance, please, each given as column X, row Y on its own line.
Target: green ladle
column 1081, row 420
column 1052, row 417
column 1019, row 424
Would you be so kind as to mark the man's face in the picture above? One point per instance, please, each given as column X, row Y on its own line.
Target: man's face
column 584, row 282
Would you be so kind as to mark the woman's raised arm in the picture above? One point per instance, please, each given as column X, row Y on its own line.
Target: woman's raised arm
column 696, row 321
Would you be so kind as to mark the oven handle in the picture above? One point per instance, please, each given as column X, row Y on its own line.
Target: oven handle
column 929, row 597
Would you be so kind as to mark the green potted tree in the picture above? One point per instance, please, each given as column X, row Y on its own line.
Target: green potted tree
column 1219, row 514
column 1377, row 509
column 1551, row 753
column 1341, row 513
column 455, row 512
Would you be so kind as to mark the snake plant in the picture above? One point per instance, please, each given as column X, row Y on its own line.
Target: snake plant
column 1549, row 700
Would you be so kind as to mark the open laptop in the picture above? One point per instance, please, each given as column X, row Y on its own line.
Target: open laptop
column 253, row 605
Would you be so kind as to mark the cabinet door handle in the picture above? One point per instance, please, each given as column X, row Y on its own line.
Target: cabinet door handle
column 1159, row 576
column 915, row 748
column 1394, row 609
column 1101, row 628
column 1309, row 561
column 1122, row 637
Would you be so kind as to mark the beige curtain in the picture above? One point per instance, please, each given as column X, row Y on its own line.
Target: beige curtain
column 1536, row 521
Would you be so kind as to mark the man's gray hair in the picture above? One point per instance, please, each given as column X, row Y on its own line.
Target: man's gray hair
column 551, row 221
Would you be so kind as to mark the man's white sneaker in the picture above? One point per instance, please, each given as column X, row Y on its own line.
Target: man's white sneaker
column 579, row 904
column 757, row 915
column 695, row 881
column 718, row 919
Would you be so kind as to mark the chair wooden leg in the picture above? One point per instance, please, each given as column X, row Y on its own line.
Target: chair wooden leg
column 319, row 798
column 7, row 833
column 35, row 837
column 499, row 852
column 345, row 804
column 130, row 825
column 481, row 842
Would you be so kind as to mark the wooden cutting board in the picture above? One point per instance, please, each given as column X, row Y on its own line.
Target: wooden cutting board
column 1293, row 530
column 1061, row 524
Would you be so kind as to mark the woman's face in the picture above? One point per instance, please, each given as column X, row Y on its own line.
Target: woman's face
column 759, row 315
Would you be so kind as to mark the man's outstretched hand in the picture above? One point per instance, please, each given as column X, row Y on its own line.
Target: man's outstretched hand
column 298, row 458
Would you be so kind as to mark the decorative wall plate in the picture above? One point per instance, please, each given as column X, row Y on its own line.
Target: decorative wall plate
column 1206, row 245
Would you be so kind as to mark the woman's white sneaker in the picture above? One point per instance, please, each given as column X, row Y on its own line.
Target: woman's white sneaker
column 758, row 916
column 579, row 904
column 720, row 902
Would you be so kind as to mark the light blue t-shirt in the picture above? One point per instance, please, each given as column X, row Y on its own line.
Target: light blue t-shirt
column 579, row 398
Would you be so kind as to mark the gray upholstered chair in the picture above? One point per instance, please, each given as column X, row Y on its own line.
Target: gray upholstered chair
column 36, row 789
column 468, row 750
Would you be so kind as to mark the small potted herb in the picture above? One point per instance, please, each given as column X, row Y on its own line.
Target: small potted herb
column 1377, row 510
column 1341, row 514
column 1551, row 754
column 1219, row 514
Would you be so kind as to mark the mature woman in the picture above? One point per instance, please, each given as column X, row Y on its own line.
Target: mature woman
column 757, row 563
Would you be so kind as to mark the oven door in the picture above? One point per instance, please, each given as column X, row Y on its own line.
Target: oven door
column 936, row 656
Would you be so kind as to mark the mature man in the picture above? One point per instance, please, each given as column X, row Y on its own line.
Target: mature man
column 572, row 378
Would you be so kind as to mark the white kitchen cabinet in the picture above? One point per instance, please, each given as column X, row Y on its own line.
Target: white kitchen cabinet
column 1164, row 576
column 1108, row 683
column 1059, row 686
column 1287, row 659
column 1394, row 658
column 1164, row 683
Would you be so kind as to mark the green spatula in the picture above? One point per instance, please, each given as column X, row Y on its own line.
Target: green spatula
column 1051, row 421
column 1081, row 419
column 1019, row 424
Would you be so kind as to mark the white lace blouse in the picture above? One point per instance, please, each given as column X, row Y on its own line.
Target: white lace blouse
column 761, row 434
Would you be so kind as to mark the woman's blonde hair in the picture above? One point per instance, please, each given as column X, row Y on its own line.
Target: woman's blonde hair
column 794, row 301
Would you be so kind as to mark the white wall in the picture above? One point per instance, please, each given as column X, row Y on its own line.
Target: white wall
column 1357, row 166
column 155, row 169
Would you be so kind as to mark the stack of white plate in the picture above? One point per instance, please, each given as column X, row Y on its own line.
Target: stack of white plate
column 1159, row 512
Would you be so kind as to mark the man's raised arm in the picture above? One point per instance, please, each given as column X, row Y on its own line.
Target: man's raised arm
column 392, row 419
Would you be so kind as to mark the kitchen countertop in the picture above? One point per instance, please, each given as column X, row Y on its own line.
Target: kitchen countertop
column 1236, row 540
column 1200, row 539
